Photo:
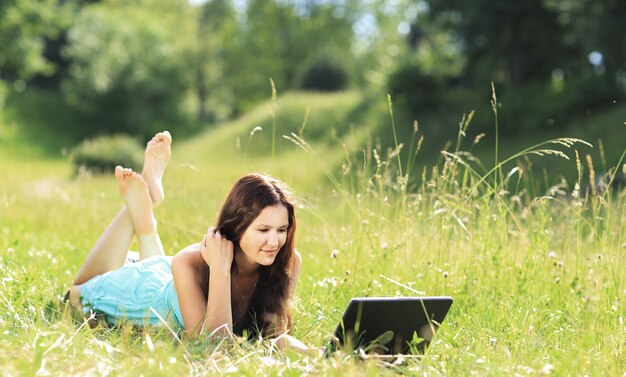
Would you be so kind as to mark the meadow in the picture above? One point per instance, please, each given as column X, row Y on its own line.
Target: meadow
column 537, row 276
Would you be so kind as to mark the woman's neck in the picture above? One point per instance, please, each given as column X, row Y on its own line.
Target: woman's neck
column 245, row 266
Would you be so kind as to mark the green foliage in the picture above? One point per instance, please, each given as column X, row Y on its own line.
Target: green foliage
column 426, row 69
column 413, row 89
column 144, row 65
column 212, row 53
column 536, row 106
column 23, row 26
column 49, row 131
column 505, row 41
column 3, row 93
column 103, row 153
column 325, row 74
column 594, row 26
column 126, row 71
column 278, row 39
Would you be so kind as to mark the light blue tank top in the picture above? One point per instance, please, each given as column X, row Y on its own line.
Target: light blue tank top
column 171, row 301
column 131, row 292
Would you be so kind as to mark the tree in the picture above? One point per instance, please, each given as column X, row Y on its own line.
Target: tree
column 281, row 39
column 506, row 41
column 269, row 33
column 216, row 29
column 23, row 26
column 599, row 31
column 127, row 70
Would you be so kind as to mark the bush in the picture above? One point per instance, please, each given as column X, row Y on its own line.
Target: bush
column 535, row 106
column 103, row 153
column 325, row 75
column 413, row 89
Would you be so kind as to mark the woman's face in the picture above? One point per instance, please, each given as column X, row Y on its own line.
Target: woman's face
column 266, row 235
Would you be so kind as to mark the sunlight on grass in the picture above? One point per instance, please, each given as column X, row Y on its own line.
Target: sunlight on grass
column 537, row 277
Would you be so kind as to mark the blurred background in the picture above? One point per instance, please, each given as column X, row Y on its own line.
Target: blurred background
column 75, row 69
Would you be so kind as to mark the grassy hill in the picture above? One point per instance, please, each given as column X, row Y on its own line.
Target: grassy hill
column 537, row 281
column 37, row 123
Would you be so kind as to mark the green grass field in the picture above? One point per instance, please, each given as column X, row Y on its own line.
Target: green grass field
column 538, row 281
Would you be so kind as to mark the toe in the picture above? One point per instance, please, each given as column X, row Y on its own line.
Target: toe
column 167, row 137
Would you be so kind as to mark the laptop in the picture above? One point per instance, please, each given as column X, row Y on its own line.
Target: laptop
column 390, row 325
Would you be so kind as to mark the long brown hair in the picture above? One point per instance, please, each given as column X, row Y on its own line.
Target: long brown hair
column 249, row 196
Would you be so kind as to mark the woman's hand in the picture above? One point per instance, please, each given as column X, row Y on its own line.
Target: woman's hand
column 286, row 341
column 216, row 251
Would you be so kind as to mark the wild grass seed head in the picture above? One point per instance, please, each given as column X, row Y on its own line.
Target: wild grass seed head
column 592, row 174
column 602, row 156
column 478, row 138
column 579, row 167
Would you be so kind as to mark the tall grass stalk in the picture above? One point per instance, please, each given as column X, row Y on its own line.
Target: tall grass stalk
column 397, row 146
column 536, row 150
column 494, row 107
column 252, row 132
column 402, row 179
column 613, row 172
column 345, row 195
column 273, row 113
column 414, row 148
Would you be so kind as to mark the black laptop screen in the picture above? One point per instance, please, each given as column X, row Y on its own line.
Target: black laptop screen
column 398, row 325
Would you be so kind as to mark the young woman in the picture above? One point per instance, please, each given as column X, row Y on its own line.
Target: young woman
column 241, row 276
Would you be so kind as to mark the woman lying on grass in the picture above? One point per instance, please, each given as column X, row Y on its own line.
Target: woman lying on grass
column 241, row 277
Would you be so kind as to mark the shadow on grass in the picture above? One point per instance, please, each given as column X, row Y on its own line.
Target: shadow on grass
column 42, row 121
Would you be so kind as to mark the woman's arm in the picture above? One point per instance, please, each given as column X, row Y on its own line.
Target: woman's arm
column 287, row 341
column 216, row 314
column 190, row 296
column 218, row 254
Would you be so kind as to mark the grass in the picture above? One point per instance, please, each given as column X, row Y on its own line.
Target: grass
column 598, row 126
column 538, row 281
column 40, row 115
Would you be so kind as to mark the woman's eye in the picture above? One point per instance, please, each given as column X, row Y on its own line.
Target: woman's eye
column 267, row 230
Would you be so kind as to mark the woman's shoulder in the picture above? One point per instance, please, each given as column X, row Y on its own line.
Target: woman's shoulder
column 191, row 248
column 188, row 264
column 189, row 255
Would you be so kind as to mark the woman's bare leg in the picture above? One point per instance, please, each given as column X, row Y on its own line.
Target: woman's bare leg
column 111, row 249
column 158, row 151
column 156, row 157
column 135, row 192
column 109, row 252
column 136, row 217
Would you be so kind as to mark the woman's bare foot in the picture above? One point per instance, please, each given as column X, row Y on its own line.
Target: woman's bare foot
column 158, row 151
column 134, row 190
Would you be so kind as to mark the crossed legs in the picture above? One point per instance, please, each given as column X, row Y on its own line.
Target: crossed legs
column 141, row 193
